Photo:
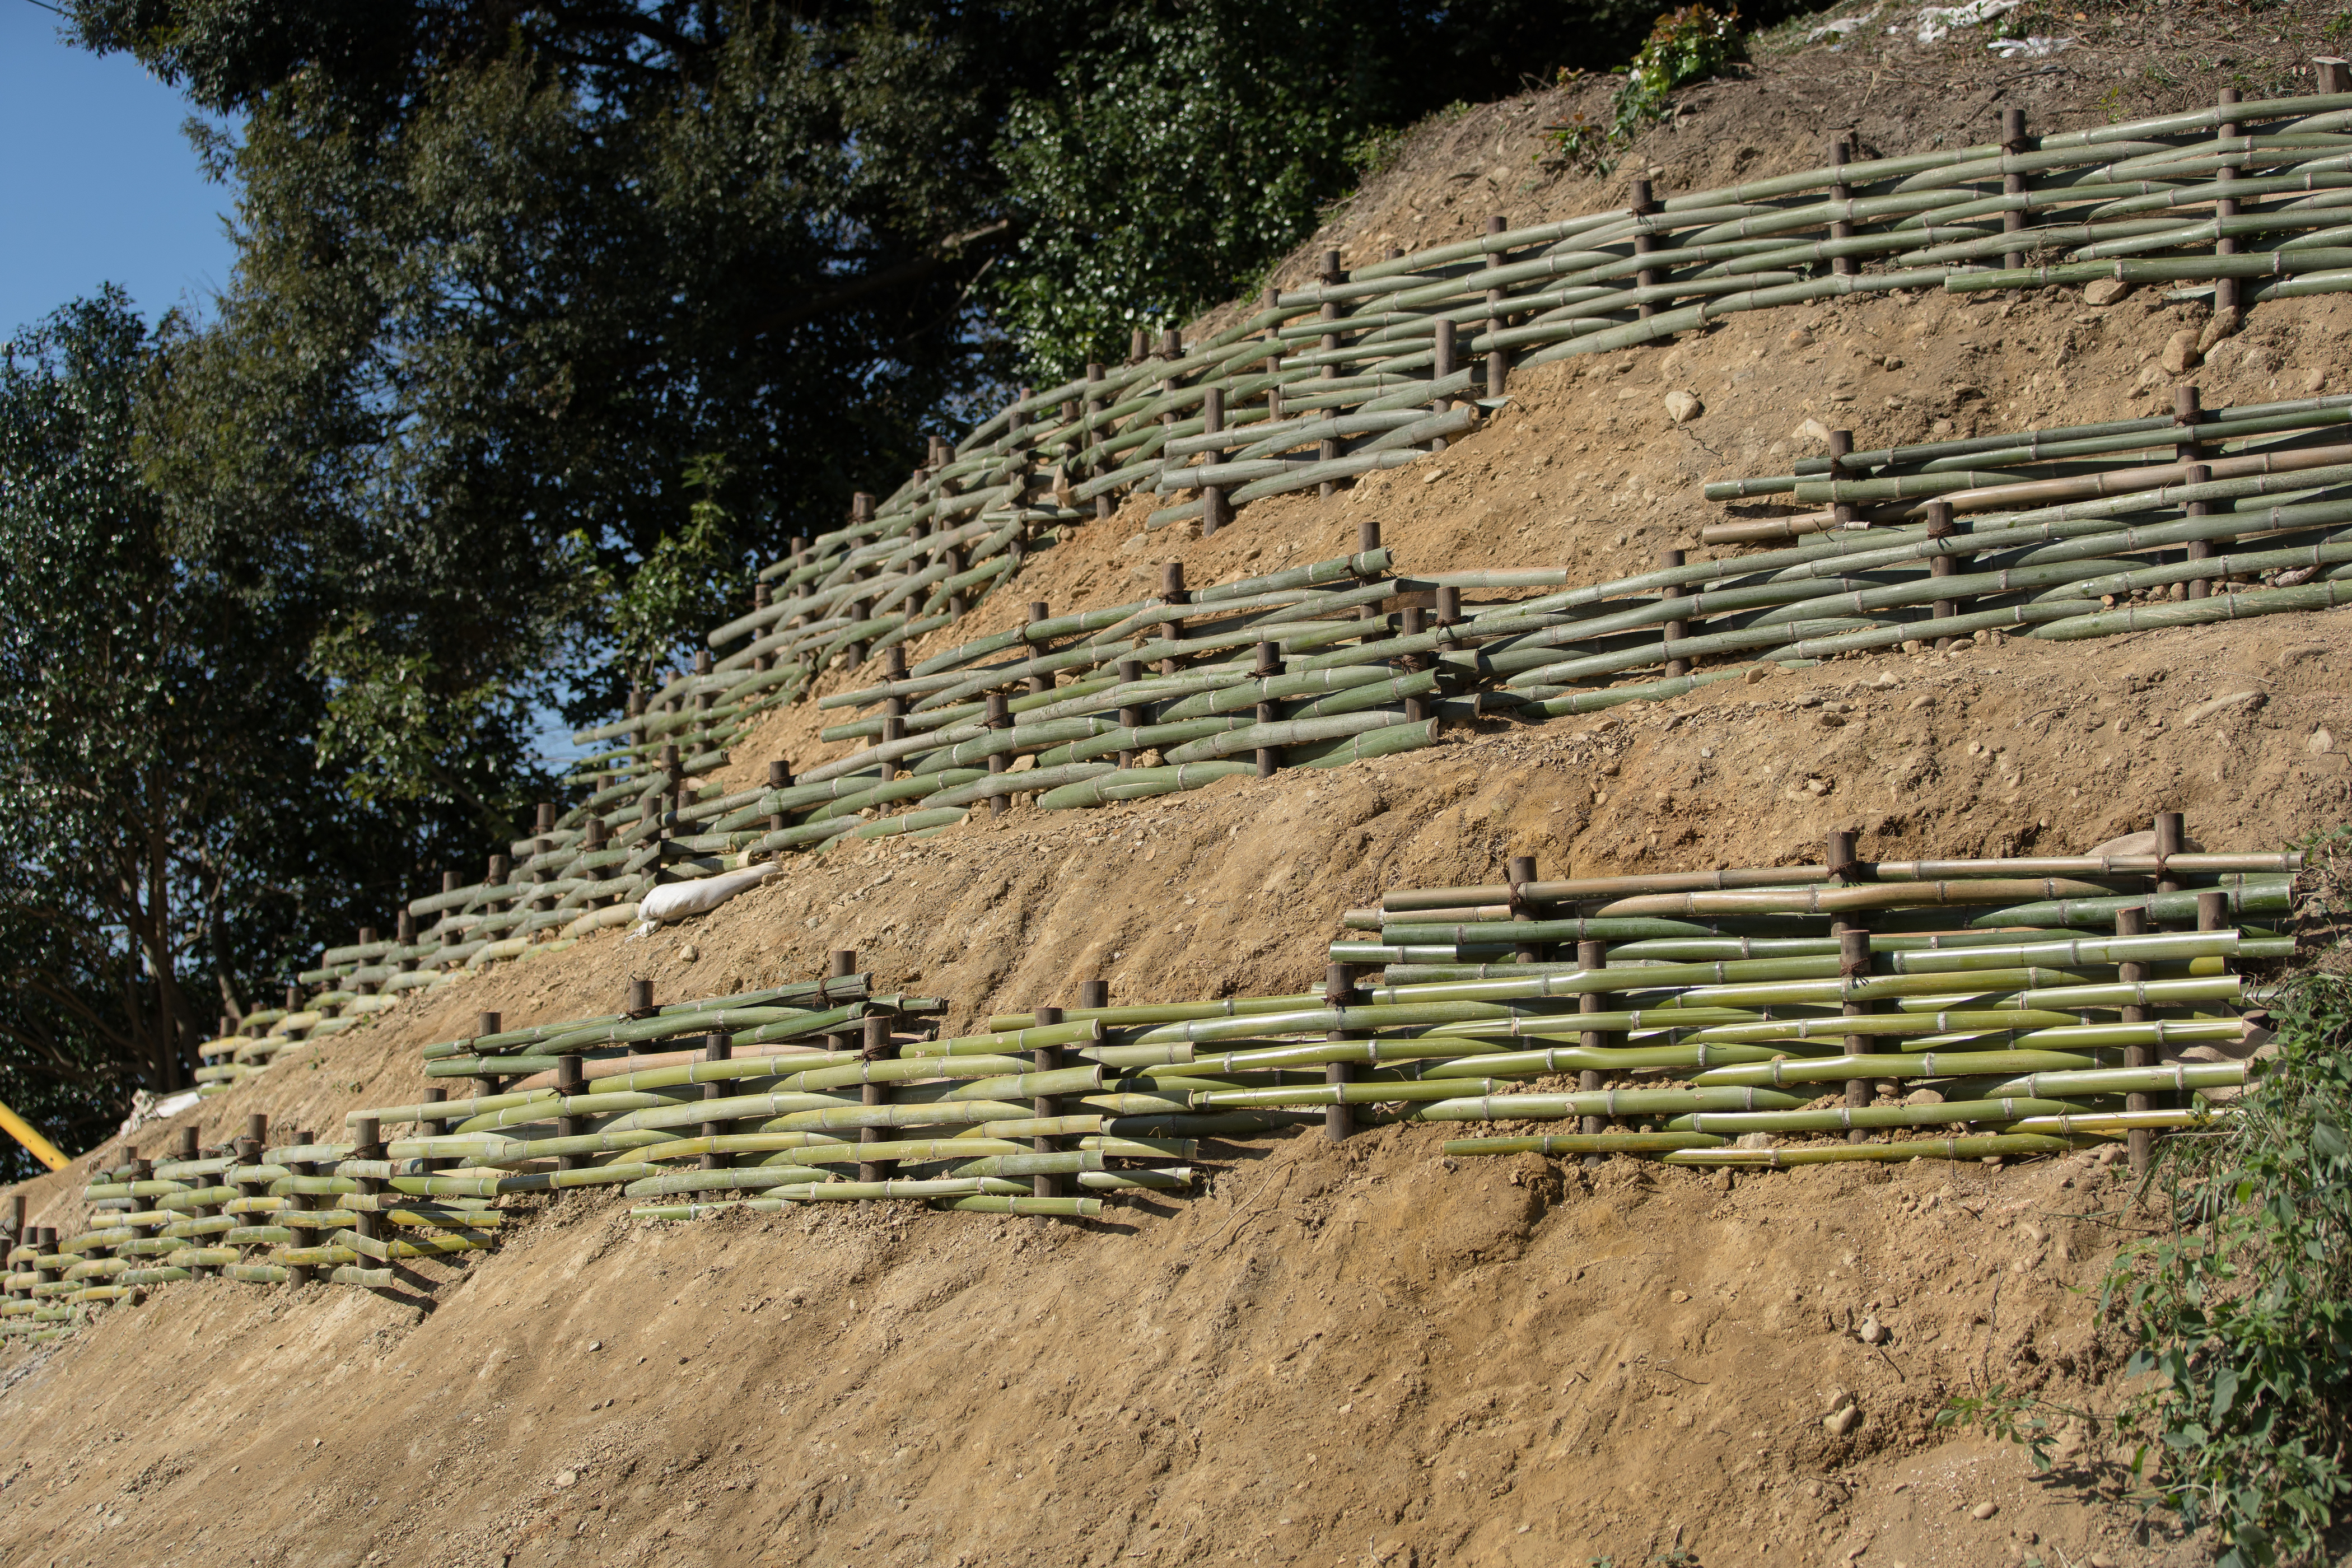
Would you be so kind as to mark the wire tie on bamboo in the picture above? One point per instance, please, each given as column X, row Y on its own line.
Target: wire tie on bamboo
column 839, row 965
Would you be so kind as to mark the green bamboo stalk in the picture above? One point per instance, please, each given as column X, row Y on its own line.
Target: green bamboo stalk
column 1992, row 1146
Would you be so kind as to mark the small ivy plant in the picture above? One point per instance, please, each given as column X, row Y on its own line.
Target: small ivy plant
column 1688, row 44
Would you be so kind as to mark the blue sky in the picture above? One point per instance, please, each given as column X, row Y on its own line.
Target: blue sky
column 98, row 184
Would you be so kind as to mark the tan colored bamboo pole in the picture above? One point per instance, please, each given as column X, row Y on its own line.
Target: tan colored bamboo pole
column 1593, row 955
column 1339, row 991
column 2134, row 922
column 1048, row 1058
column 1499, row 360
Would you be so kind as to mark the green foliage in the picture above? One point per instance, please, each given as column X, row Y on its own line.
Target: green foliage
column 1688, row 44
column 2245, row 1316
column 1168, row 162
column 687, row 582
column 1685, row 44
column 2241, row 1318
column 2013, row 1419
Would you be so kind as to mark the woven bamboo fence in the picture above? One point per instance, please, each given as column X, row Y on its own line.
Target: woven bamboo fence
column 2059, row 533
column 1757, row 1017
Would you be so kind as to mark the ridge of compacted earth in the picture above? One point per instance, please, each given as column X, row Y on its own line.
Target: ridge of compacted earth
column 1355, row 1354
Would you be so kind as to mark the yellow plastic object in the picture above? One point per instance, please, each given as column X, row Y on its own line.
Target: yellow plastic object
column 25, row 1132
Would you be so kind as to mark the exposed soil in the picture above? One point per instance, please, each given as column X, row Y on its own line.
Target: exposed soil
column 1357, row 1353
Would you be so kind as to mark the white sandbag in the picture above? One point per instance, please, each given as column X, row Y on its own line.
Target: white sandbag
column 676, row 900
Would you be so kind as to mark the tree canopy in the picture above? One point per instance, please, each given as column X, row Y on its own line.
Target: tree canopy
column 549, row 318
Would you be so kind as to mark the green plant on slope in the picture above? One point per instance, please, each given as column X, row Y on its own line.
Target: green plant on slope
column 2245, row 1314
column 2241, row 1318
column 1690, row 43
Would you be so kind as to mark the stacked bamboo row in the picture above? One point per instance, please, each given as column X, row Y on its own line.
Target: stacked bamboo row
column 2005, row 1006
column 1374, row 367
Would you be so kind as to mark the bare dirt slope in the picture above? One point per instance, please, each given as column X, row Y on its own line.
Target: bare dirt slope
column 1349, row 1354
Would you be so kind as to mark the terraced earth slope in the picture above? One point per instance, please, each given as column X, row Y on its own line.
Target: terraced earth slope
column 1356, row 1353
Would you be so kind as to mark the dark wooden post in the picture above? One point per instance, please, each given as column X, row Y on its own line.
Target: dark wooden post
column 1678, row 628
column 1645, row 242
column 1590, row 955
column 1173, row 592
column 1131, row 715
column 569, row 1081
column 1327, row 450
column 1498, row 358
column 1441, row 366
column 1268, row 665
column 2132, row 922
column 1518, row 873
column 1214, row 514
column 2013, row 140
column 1340, row 993
column 487, row 1083
column 717, row 1046
column 1045, row 1059
column 876, row 1046
column 1841, row 149
column 2229, row 293
column 999, row 717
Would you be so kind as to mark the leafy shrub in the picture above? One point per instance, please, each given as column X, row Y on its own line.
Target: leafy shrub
column 1690, row 43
